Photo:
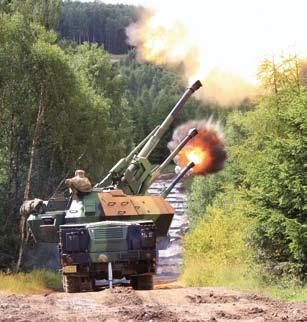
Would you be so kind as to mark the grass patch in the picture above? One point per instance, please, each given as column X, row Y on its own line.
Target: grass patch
column 36, row 281
column 215, row 252
column 293, row 293
column 199, row 272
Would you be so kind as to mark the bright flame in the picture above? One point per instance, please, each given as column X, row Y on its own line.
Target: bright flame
column 196, row 155
column 199, row 154
column 221, row 42
column 206, row 149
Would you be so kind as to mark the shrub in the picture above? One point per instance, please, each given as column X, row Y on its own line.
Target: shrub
column 216, row 252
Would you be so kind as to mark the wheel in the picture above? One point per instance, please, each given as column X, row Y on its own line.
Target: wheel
column 142, row 282
column 71, row 284
column 87, row 284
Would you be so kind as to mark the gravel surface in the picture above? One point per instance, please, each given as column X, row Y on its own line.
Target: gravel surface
column 168, row 302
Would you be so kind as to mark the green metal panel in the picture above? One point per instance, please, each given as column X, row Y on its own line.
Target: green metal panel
column 162, row 222
column 107, row 236
column 46, row 233
column 91, row 204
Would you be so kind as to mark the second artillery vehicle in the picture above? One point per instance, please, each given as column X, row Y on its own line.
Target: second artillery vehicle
column 111, row 230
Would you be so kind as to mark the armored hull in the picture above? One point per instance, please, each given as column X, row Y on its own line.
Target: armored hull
column 103, row 205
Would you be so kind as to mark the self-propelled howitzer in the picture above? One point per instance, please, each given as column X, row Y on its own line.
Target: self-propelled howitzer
column 111, row 230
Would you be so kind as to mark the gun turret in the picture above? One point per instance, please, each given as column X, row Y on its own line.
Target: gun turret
column 134, row 173
column 116, row 172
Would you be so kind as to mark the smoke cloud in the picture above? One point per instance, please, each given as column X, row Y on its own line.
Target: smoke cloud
column 206, row 149
column 220, row 42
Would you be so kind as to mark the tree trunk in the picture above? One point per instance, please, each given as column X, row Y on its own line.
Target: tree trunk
column 11, row 171
column 35, row 140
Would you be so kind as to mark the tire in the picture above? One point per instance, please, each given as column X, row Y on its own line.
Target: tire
column 71, row 284
column 142, row 282
column 87, row 284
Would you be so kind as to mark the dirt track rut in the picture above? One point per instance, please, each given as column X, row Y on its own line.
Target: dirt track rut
column 173, row 305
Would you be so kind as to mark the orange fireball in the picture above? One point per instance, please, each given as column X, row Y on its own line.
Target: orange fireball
column 206, row 149
column 195, row 154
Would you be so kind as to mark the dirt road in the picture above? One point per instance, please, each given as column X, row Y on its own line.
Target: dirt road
column 162, row 304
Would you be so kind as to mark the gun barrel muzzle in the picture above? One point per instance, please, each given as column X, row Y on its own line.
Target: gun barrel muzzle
column 196, row 86
column 183, row 172
column 193, row 132
column 155, row 139
column 157, row 171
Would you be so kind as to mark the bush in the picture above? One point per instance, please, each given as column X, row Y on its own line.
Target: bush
column 280, row 245
column 216, row 252
column 203, row 191
column 221, row 250
column 274, row 158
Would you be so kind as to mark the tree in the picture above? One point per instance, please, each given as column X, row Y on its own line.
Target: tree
column 273, row 156
column 266, row 148
column 97, row 22
column 94, row 66
column 46, row 96
column 43, row 12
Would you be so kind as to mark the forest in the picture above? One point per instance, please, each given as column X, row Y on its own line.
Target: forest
column 96, row 22
column 67, row 102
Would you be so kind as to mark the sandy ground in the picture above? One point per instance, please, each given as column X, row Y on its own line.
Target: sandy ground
column 167, row 302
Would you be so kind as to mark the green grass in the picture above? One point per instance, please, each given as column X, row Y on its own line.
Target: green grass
column 36, row 281
column 293, row 293
column 199, row 272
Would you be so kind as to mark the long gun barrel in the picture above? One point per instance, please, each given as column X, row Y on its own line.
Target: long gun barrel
column 122, row 164
column 156, row 172
column 165, row 192
column 154, row 140
column 129, row 175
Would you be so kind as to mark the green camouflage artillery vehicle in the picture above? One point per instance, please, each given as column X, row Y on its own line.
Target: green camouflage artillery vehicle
column 111, row 230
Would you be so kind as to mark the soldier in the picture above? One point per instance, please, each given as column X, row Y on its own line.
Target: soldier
column 32, row 206
column 79, row 184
